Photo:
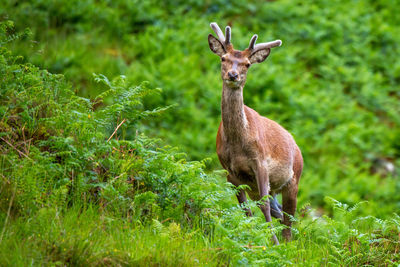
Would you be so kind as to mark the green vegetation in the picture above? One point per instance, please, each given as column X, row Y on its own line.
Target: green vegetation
column 87, row 174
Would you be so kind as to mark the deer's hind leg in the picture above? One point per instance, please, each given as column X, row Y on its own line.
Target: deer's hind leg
column 276, row 208
column 289, row 201
column 263, row 188
column 289, row 196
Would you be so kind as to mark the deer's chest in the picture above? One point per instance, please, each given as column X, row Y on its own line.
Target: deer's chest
column 241, row 163
column 238, row 160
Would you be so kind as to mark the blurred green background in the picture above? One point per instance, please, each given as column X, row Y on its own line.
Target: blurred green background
column 74, row 193
column 334, row 83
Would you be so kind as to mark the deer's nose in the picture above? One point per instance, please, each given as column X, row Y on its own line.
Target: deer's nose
column 233, row 75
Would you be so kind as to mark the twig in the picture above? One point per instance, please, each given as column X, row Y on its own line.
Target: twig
column 116, row 129
column 163, row 221
column 23, row 135
column 116, row 177
column 20, row 152
column 250, row 246
column 245, row 246
column 8, row 182
column 206, row 249
column 5, row 180
column 27, row 148
column 8, row 215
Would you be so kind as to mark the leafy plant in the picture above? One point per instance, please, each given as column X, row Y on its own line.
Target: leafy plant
column 83, row 182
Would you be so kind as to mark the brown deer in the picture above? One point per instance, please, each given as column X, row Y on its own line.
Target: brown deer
column 255, row 150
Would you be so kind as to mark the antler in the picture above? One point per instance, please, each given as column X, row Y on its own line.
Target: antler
column 225, row 41
column 254, row 48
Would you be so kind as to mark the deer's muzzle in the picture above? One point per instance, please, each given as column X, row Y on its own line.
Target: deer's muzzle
column 233, row 75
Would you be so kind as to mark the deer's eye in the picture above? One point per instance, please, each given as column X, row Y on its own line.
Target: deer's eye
column 247, row 65
column 223, row 59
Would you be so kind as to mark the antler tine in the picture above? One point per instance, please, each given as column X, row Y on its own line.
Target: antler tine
column 253, row 41
column 267, row 45
column 227, row 35
column 218, row 31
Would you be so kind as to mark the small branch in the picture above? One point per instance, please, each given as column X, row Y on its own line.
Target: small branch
column 20, row 152
column 206, row 249
column 116, row 129
column 116, row 177
column 27, row 148
column 245, row 246
column 163, row 221
column 8, row 214
column 250, row 246
column 8, row 182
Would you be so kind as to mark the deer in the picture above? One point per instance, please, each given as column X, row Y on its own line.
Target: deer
column 255, row 151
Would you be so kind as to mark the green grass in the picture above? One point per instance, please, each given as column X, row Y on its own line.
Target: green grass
column 82, row 236
column 87, row 236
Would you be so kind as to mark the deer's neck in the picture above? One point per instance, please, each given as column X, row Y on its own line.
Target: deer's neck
column 234, row 119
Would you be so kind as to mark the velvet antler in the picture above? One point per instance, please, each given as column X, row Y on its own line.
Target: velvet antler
column 253, row 47
column 225, row 40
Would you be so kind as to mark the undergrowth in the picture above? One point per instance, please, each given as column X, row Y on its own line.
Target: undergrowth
column 81, row 185
column 333, row 83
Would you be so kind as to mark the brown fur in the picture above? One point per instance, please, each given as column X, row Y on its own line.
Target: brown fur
column 255, row 150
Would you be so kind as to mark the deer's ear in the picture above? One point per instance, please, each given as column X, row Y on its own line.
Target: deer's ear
column 216, row 46
column 259, row 56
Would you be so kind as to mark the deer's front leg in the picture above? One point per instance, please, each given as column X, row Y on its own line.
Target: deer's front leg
column 241, row 195
column 289, row 201
column 263, row 188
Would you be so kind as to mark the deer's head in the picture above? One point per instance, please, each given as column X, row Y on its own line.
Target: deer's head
column 235, row 63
